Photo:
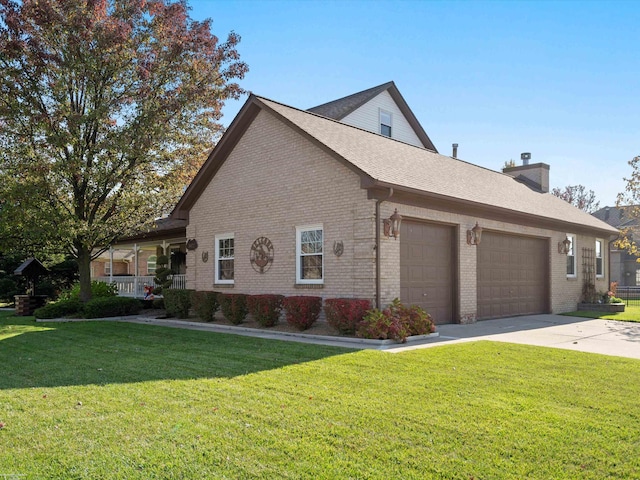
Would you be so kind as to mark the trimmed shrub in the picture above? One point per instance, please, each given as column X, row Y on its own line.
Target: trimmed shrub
column 615, row 300
column 177, row 302
column 396, row 322
column 205, row 304
column 98, row 290
column 233, row 306
column 59, row 309
column 158, row 303
column 344, row 314
column 111, row 307
column 382, row 325
column 418, row 321
column 163, row 272
column 265, row 309
column 302, row 312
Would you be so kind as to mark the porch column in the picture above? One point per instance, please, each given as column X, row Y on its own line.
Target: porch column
column 135, row 270
column 110, row 264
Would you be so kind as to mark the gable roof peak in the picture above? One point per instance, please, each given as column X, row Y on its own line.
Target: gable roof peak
column 340, row 108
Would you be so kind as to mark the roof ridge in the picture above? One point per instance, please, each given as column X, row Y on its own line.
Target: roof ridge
column 348, row 125
column 370, row 93
column 383, row 136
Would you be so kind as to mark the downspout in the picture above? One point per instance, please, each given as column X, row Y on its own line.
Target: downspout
column 378, row 255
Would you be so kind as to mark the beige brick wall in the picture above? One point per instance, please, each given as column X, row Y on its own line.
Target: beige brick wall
column 273, row 181
column 565, row 292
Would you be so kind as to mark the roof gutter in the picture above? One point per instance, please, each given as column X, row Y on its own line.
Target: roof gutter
column 378, row 245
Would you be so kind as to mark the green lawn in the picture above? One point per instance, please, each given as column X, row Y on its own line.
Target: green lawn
column 115, row 400
column 630, row 314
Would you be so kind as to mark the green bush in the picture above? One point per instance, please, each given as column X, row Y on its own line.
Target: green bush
column 111, row 307
column 98, row 290
column 615, row 300
column 265, row 309
column 59, row 309
column 8, row 290
column 233, row 306
column 163, row 273
column 158, row 303
column 302, row 311
column 177, row 302
column 205, row 304
column 344, row 314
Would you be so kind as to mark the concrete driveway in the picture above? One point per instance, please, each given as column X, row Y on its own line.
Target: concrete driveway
column 608, row 337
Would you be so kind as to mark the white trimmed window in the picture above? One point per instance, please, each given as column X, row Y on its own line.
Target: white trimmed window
column 224, row 261
column 309, row 255
column 599, row 258
column 385, row 123
column 107, row 268
column 151, row 265
column 571, row 257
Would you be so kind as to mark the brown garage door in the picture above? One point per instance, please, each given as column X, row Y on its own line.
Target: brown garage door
column 426, row 268
column 512, row 276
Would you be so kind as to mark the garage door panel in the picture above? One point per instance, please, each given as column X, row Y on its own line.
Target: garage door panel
column 512, row 275
column 426, row 268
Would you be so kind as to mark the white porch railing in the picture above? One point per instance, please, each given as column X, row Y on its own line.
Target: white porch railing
column 131, row 286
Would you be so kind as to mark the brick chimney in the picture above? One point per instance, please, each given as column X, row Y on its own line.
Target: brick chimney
column 534, row 175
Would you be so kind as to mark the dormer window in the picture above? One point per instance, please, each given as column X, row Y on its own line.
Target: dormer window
column 385, row 123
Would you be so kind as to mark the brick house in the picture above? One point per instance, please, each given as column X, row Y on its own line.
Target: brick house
column 301, row 202
column 625, row 268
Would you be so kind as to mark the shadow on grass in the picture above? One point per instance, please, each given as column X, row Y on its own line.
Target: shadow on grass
column 62, row 354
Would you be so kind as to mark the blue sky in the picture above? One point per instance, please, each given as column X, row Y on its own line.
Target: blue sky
column 558, row 79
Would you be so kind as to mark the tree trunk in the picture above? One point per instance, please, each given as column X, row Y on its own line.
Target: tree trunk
column 84, row 269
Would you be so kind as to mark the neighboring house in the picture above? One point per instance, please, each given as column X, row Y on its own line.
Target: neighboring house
column 625, row 268
column 299, row 202
column 131, row 262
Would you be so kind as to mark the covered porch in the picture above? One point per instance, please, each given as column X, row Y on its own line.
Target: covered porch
column 131, row 263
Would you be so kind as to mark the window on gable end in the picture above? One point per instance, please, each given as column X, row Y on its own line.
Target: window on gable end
column 385, row 123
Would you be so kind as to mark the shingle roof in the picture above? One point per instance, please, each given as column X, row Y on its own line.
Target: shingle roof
column 619, row 217
column 340, row 108
column 390, row 162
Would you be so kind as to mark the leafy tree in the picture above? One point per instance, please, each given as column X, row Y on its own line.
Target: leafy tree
column 578, row 196
column 630, row 200
column 107, row 109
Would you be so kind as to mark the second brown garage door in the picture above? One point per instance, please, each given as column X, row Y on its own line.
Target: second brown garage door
column 512, row 275
column 426, row 268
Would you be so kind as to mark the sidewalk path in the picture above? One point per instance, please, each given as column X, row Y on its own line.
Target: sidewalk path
column 607, row 337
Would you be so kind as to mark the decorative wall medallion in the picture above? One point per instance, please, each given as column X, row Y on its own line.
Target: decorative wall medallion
column 338, row 248
column 192, row 244
column 205, row 257
column 261, row 254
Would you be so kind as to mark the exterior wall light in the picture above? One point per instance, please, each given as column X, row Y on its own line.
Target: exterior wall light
column 564, row 246
column 392, row 225
column 474, row 235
